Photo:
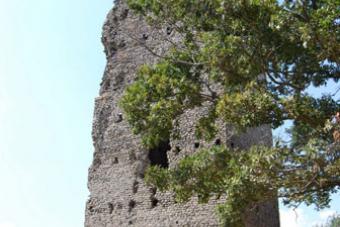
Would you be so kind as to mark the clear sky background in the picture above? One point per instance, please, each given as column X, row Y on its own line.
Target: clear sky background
column 51, row 64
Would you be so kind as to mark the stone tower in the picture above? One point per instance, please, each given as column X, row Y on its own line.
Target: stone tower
column 119, row 196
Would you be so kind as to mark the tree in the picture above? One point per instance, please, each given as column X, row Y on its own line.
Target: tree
column 333, row 221
column 263, row 55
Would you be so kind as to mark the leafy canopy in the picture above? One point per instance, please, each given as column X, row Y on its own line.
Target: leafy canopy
column 333, row 221
column 251, row 62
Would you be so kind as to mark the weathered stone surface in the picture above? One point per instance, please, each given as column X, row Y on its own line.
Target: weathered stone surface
column 119, row 196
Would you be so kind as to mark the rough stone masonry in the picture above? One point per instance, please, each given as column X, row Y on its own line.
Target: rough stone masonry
column 118, row 195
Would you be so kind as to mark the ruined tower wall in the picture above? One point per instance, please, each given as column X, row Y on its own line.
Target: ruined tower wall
column 118, row 195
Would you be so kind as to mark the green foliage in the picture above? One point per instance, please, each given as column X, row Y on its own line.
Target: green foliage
column 333, row 221
column 250, row 176
column 262, row 55
column 160, row 93
column 250, row 108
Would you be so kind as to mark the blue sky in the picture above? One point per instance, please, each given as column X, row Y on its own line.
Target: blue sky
column 51, row 64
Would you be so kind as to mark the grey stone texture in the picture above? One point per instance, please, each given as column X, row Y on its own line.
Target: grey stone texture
column 118, row 195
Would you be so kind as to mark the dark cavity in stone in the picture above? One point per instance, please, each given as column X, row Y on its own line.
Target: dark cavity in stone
column 158, row 155
column 110, row 205
column 135, row 187
column 154, row 202
column 132, row 205
column 177, row 150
